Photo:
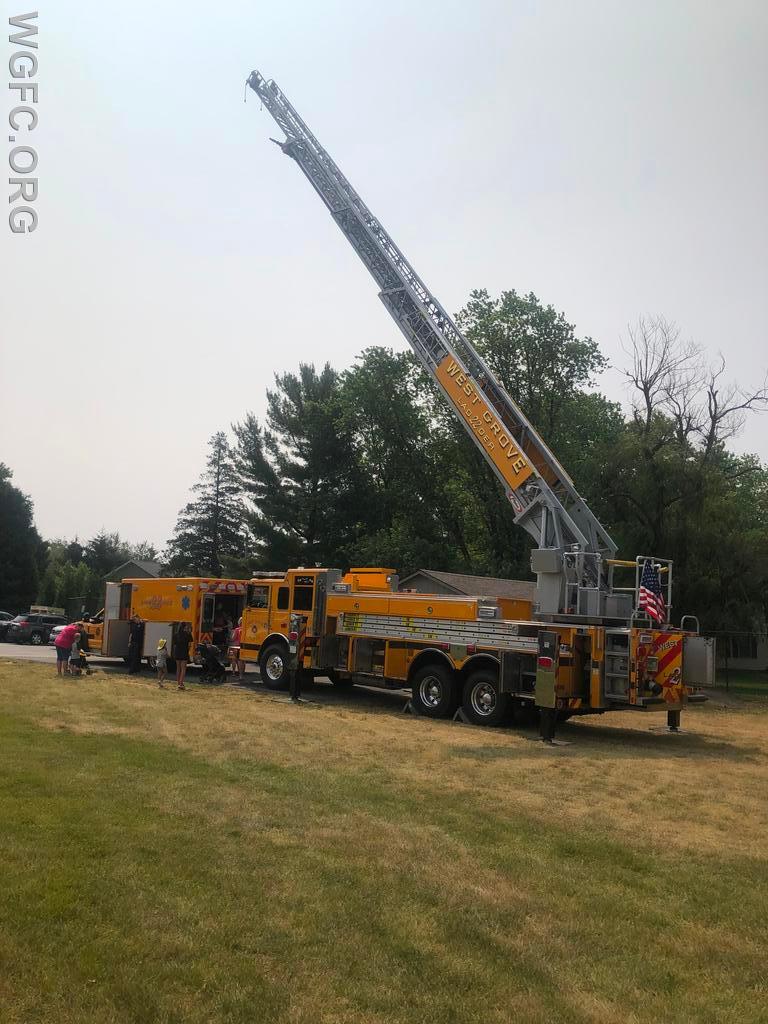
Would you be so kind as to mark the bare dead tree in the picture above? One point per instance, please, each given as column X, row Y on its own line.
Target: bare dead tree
column 673, row 385
column 661, row 365
column 727, row 407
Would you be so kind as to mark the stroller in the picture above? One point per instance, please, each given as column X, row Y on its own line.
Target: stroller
column 214, row 669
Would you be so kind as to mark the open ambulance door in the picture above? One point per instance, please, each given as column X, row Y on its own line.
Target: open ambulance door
column 117, row 610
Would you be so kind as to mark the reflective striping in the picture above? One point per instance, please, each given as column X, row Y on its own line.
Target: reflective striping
column 494, row 634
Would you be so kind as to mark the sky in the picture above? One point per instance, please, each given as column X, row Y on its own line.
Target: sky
column 607, row 155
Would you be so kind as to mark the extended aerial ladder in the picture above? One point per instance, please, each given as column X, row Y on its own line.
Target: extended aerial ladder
column 575, row 555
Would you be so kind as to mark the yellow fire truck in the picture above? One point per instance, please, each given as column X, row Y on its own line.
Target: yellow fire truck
column 587, row 643
column 453, row 651
column 163, row 604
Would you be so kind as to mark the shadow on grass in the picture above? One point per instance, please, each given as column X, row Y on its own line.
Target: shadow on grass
column 622, row 743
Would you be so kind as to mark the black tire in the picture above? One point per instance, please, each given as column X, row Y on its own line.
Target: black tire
column 151, row 662
column 484, row 703
column 436, row 691
column 273, row 667
column 36, row 639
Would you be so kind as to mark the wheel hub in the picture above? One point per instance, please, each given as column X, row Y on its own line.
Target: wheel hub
column 483, row 699
column 274, row 667
column 430, row 691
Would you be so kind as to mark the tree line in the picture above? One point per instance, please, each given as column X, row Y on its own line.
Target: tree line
column 368, row 466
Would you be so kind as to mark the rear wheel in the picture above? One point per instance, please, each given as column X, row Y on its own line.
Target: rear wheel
column 273, row 667
column 435, row 691
column 36, row 639
column 484, row 703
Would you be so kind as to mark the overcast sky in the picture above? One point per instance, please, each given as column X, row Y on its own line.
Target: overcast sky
column 608, row 155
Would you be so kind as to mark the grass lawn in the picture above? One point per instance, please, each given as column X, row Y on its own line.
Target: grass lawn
column 222, row 856
column 743, row 683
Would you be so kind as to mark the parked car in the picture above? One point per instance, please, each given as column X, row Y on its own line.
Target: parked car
column 54, row 633
column 5, row 621
column 33, row 629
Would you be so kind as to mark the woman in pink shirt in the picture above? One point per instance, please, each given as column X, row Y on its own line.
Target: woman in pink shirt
column 63, row 645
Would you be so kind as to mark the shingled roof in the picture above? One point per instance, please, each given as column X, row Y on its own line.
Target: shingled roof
column 476, row 586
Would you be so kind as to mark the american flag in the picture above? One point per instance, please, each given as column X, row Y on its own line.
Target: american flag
column 650, row 597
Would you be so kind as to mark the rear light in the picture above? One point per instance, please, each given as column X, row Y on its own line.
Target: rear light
column 293, row 635
column 471, row 648
column 545, row 662
column 444, row 647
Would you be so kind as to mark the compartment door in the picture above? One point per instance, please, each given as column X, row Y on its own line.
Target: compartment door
column 699, row 660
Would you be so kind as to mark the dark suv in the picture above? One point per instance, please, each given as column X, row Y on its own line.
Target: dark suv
column 33, row 629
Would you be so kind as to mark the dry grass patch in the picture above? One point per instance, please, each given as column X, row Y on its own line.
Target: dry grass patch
column 220, row 855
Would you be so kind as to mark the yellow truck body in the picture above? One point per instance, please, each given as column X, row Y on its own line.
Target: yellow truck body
column 452, row 650
column 164, row 603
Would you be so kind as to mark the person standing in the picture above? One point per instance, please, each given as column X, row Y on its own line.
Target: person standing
column 63, row 645
column 74, row 656
column 161, row 662
column 181, row 643
column 238, row 665
column 135, row 644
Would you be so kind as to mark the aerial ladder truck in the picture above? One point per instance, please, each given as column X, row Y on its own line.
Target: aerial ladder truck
column 583, row 640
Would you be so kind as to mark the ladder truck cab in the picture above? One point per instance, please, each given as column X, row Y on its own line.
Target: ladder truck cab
column 616, row 643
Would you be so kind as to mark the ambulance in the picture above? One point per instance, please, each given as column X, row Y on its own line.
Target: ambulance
column 207, row 604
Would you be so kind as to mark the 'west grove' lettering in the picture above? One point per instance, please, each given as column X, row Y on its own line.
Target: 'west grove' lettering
column 511, row 452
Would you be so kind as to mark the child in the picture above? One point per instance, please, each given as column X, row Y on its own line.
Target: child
column 74, row 656
column 161, row 661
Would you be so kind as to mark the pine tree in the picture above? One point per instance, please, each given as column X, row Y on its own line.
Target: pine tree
column 298, row 473
column 19, row 546
column 210, row 530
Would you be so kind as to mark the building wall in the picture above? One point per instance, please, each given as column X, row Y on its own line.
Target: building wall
column 746, row 653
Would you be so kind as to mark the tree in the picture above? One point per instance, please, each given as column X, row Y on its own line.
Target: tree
column 20, row 544
column 549, row 372
column 298, row 473
column 210, row 530
column 106, row 551
column 409, row 515
column 669, row 486
column 68, row 582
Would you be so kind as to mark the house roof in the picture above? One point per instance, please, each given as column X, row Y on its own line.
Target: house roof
column 478, row 586
column 149, row 567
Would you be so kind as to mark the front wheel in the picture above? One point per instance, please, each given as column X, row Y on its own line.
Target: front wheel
column 273, row 667
column 435, row 691
column 36, row 639
column 484, row 703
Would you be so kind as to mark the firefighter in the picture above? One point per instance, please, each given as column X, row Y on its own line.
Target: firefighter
column 135, row 644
